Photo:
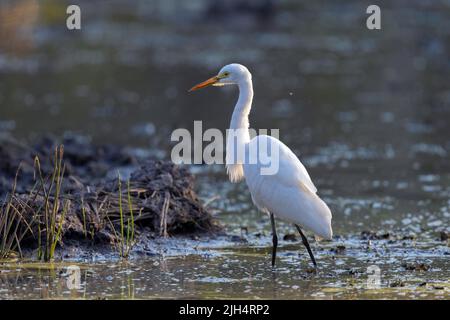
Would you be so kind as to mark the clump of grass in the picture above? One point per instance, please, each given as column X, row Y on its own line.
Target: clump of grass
column 42, row 212
column 125, row 239
column 50, row 215
column 13, row 225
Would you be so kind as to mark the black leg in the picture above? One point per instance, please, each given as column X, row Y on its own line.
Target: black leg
column 305, row 242
column 274, row 239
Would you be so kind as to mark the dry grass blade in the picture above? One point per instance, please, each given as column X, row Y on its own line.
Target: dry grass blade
column 164, row 211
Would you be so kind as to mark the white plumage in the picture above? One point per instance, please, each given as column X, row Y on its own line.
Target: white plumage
column 288, row 194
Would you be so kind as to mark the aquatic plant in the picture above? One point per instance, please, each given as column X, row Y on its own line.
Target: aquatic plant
column 13, row 225
column 51, row 214
column 125, row 239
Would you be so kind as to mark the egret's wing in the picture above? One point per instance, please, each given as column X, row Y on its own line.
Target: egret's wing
column 291, row 167
column 291, row 172
column 289, row 193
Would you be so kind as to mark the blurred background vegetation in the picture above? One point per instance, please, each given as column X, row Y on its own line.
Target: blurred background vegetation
column 337, row 91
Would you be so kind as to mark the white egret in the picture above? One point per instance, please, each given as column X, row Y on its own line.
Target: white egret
column 289, row 194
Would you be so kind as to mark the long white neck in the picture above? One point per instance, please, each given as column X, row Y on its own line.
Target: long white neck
column 239, row 134
column 239, row 119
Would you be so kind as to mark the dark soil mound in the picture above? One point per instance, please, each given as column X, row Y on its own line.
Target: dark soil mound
column 78, row 188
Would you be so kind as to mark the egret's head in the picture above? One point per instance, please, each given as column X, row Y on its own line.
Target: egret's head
column 230, row 74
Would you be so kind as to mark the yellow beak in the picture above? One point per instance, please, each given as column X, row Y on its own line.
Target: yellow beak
column 204, row 84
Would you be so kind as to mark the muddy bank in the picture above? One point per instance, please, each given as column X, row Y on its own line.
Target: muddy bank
column 59, row 194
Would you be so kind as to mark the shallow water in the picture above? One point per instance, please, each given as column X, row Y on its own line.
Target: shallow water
column 367, row 112
column 236, row 272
